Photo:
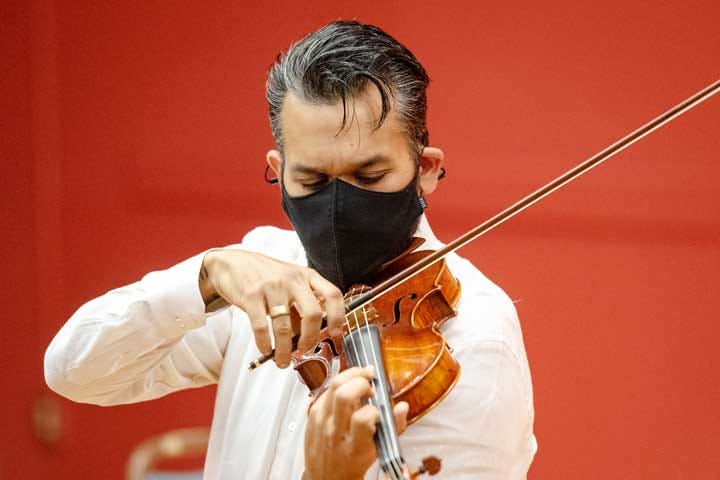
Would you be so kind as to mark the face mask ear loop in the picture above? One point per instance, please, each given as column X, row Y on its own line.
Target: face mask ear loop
column 271, row 181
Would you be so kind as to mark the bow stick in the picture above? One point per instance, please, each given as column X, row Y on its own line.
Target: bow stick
column 521, row 205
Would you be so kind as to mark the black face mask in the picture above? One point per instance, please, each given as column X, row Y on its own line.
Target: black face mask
column 349, row 232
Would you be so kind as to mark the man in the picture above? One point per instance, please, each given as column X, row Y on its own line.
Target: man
column 347, row 111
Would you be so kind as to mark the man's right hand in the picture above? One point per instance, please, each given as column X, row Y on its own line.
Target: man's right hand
column 256, row 283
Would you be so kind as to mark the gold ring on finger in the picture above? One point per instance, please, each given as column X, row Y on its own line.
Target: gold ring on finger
column 279, row 311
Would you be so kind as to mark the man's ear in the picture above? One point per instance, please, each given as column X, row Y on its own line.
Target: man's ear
column 431, row 161
column 274, row 161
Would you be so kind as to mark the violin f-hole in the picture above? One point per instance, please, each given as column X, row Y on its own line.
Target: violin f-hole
column 396, row 307
column 330, row 343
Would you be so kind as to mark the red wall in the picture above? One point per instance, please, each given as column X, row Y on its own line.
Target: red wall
column 134, row 135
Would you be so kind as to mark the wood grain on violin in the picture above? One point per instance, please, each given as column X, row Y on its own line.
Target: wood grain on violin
column 419, row 364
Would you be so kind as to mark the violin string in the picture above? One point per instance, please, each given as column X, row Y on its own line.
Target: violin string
column 385, row 433
column 382, row 433
column 356, row 351
column 385, row 393
column 384, row 436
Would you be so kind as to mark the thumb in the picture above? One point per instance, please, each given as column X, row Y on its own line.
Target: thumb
column 400, row 411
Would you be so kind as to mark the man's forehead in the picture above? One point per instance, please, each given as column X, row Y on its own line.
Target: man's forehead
column 301, row 166
column 361, row 110
column 313, row 133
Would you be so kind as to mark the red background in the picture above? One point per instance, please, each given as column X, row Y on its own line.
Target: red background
column 134, row 135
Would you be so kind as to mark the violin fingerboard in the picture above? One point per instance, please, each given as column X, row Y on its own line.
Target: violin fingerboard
column 362, row 347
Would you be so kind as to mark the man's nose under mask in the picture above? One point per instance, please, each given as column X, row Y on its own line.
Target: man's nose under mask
column 349, row 232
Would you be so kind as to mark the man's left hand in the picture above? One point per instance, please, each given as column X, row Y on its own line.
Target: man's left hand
column 340, row 428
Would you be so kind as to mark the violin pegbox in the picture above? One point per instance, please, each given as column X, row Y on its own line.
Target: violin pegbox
column 318, row 366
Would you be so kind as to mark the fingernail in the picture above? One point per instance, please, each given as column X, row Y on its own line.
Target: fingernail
column 336, row 332
column 371, row 370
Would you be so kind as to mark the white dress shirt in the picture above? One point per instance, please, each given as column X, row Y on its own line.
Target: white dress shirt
column 152, row 337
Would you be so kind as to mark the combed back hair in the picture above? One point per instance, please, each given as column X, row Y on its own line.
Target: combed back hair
column 337, row 62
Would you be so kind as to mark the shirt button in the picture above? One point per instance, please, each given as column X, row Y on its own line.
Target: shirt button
column 180, row 323
column 292, row 426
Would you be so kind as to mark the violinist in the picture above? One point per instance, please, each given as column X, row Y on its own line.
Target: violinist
column 347, row 108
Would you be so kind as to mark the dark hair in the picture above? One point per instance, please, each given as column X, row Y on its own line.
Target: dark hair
column 337, row 62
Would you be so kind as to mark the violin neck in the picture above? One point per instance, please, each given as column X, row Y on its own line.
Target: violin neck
column 362, row 348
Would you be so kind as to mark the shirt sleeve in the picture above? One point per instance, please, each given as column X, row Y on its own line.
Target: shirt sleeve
column 141, row 341
column 484, row 429
column 502, row 444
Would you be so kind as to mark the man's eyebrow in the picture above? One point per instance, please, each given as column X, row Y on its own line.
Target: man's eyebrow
column 372, row 161
column 369, row 162
column 295, row 168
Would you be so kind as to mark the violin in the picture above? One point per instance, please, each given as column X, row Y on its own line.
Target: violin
column 398, row 334
column 393, row 324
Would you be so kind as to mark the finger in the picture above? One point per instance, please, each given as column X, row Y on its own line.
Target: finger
column 294, row 319
column 320, row 406
column 310, row 312
column 347, row 399
column 400, row 411
column 350, row 373
column 343, row 377
column 282, row 328
column 363, row 425
column 334, row 302
column 255, row 309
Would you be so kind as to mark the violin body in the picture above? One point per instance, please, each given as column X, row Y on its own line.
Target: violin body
column 418, row 362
